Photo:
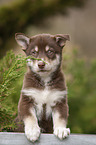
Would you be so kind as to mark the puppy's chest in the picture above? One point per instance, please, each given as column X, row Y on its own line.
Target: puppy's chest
column 45, row 97
column 44, row 103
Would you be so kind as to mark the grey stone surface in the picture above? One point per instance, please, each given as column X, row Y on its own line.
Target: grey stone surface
column 46, row 139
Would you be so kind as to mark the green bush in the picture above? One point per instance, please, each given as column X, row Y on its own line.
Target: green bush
column 80, row 78
column 11, row 69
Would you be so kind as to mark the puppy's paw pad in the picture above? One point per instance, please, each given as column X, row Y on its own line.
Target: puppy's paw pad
column 32, row 133
column 61, row 133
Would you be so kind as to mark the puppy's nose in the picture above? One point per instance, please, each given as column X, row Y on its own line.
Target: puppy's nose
column 41, row 64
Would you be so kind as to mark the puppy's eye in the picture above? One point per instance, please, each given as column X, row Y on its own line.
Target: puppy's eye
column 34, row 53
column 50, row 52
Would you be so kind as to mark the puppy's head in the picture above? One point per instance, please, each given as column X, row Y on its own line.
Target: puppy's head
column 46, row 48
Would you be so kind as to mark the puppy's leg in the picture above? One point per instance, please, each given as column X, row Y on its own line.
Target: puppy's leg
column 59, row 115
column 32, row 130
column 27, row 113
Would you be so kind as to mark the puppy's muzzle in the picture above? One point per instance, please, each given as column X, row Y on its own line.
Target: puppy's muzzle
column 41, row 65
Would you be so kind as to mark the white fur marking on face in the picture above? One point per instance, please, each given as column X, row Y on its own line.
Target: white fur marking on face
column 50, row 67
column 32, row 130
column 59, row 126
column 29, row 62
column 46, row 96
column 53, row 65
column 47, row 48
column 36, row 48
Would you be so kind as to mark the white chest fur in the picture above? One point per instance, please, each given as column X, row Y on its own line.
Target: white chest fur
column 46, row 96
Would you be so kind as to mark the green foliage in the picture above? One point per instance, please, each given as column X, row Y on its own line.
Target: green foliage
column 80, row 77
column 11, row 69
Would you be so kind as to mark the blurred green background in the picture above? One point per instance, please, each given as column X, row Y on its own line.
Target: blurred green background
column 74, row 17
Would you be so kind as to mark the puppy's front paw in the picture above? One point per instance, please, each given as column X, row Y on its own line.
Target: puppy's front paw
column 61, row 133
column 32, row 133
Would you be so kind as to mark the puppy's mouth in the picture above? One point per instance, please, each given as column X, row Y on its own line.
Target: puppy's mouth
column 43, row 70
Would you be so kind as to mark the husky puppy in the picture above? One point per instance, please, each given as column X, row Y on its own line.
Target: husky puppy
column 43, row 102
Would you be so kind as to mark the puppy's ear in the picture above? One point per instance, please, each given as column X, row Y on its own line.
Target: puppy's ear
column 61, row 39
column 22, row 40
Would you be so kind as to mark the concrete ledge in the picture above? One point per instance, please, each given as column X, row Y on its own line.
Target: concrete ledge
column 46, row 139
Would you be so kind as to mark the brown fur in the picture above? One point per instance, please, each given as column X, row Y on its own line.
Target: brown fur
column 33, row 80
